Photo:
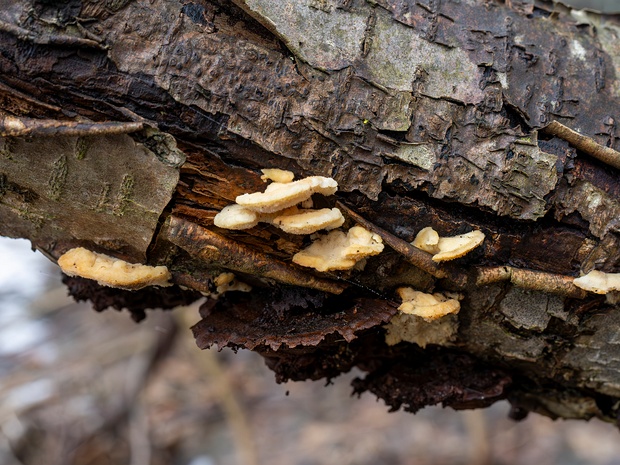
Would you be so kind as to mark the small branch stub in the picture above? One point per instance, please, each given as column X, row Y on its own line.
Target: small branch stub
column 11, row 126
column 529, row 279
column 586, row 144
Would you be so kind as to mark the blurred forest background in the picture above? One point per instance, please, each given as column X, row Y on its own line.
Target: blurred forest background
column 81, row 388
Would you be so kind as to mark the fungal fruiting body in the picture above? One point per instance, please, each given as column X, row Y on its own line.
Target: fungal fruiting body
column 278, row 205
column 427, row 239
column 599, row 282
column 340, row 251
column 457, row 246
column 226, row 282
column 424, row 318
column 292, row 220
column 309, row 221
column 412, row 328
column 277, row 175
column 236, row 217
column 428, row 306
column 112, row 272
column 278, row 196
column 447, row 248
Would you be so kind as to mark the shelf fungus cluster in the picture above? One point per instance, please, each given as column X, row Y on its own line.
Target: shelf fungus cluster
column 447, row 248
column 112, row 272
column 428, row 306
column 279, row 205
column 340, row 251
column 424, row 318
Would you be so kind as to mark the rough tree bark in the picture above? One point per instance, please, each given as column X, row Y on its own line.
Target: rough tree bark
column 128, row 124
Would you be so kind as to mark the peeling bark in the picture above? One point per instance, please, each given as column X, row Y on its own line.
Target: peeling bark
column 442, row 113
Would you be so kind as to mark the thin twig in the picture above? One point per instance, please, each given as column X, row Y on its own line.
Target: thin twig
column 531, row 280
column 586, row 144
column 524, row 279
column 11, row 126
column 15, row 94
column 139, row 443
column 219, row 250
column 137, row 380
column 48, row 39
column 477, row 429
column 236, row 417
column 412, row 254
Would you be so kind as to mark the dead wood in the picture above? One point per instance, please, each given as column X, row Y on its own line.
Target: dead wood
column 128, row 125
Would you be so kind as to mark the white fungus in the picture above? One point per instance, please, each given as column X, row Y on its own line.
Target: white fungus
column 277, row 175
column 278, row 205
column 309, row 221
column 112, row 272
column 412, row 328
column 227, row 281
column 340, row 251
column 427, row 306
column 599, row 282
column 457, row 246
column 278, row 196
column 447, row 248
column 236, row 217
column 427, row 239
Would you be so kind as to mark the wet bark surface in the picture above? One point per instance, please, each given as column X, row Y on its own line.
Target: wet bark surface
column 427, row 113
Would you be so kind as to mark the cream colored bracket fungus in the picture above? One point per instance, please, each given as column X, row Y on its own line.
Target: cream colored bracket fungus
column 277, row 175
column 340, row 251
column 277, row 205
column 447, row 248
column 599, row 282
column 427, row 306
column 291, row 220
column 236, row 217
column 428, row 240
column 278, row 196
column 310, row 221
column 112, row 272
column 412, row 328
column 226, row 282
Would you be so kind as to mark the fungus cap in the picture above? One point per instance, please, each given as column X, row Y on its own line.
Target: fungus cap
column 362, row 243
column 309, row 221
column 112, row 272
column 427, row 239
column 236, row 217
column 277, row 175
column 428, row 306
column 599, row 282
column 340, row 251
column 278, row 196
column 457, row 246
column 227, row 281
